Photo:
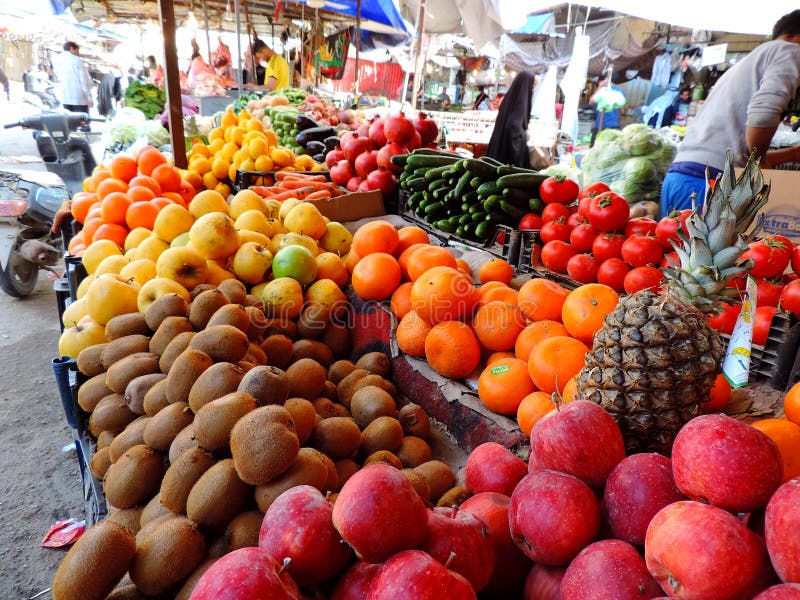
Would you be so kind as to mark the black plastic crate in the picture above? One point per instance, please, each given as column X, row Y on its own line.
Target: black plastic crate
column 529, row 260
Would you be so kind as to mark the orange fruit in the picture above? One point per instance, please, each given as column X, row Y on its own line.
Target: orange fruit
column 90, row 226
column 535, row 333
column 585, row 308
column 408, row 236
column 375, row 236
column 452, row 350
column 570, row 393
column 167, row 177
column 109, row 186
column 499, row 355
column 175, row 197
column 503, row 384
column 719, row 396
column 463, row 266
column 405, row 256
column 123, row 167
column 501, row 293
column 532, row 408
column 555, row 361
column 411, row 333
column 140, row 193
column 791, row 404
column 786, row 436
column 542, row 299
column 150, row 159
column 498, row 324
column 187, row 191
column 351, row 260
column 113, row 208
column 161, row 202
column 111, row 231
column 400, row 303
column 428, row 257
column 141, row 214
column 76, row 244
column 376, row 276
column 496, row 270
column 145, row 181
column 443, row 294
column 81, row 203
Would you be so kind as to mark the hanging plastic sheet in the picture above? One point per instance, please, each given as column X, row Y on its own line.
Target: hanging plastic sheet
column 573, row 83
column 544, row 99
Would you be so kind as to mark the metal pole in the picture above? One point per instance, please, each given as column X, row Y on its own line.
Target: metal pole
column 172, row 83
column 208, row 35
column 420, row 60
column 239, row 84
column 358, row 44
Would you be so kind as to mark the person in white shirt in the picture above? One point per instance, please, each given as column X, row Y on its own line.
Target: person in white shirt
column 76, row 84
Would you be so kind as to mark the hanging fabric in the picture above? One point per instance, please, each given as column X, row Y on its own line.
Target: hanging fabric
column 332, row 53
column 662, row 67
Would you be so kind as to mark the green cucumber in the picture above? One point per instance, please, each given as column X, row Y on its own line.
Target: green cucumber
column 463, row 183
column 516, row 195
column 492, row 202
column 480, row 169
column 433, row 207
column 521, row 180
column 510, row 209
column 484, row 230
column 436, row 173
column 431, row 162
column 478, row 217
column 535, row 205
column 475, row 183
column 436, row 184
column 417, row 184
column 399, row 160
column 489, row 188
column 512, row 170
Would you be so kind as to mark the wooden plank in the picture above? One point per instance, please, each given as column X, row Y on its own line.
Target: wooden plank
column 172, row 83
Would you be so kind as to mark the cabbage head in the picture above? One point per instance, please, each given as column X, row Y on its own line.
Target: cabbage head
column 639, row 139
column 155, row 133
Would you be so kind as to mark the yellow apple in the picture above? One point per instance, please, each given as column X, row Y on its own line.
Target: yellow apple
column 135, row 237
column 155, row 288
column 306, row 219
column 141, row 270
column 245, row 235
column 254, row 220
column 111, row 295
column 217, row 273
column 252, row 262
column 298, row 239
column 257, row 290
column 96, row 252
column 214, row 235
column 184, row 265
column 245, row 201
column 208, row 201
column 79, row 337
column 171, row 221
column 337, row 238
column 84, row 285
column 112, row 264
column 325, row 292
column 180, row 240
column 272, row 208
column 283, row 297
column 74, row 312
column 286, row 206
column 151, row 248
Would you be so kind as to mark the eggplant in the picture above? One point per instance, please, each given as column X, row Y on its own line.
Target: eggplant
column 320, row 158
column 305, row 122
column 315, row 134
column 315, row 147
column 331, row 143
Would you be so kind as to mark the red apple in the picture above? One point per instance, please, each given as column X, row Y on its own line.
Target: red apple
column 356, row 581
column 553, row 516
column 699, row 551
column 608, row 570
column 298, row 526
column 415, row 575
column 581, row 439
column 637, row 488
column 511, row 564
column 783, row 591
column 459, row 540
column 544, row 583
column 533, row 464
column 493, row 468
column 726, row 462
column 782, row 531
column 246, row 574
column 379, row 513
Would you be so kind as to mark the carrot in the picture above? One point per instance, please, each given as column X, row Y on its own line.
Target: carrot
column 281, row 175
column 262, row 191
column 318, row 195
column 300, row 194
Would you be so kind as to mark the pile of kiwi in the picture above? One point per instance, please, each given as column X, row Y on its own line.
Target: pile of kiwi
column 204, row 413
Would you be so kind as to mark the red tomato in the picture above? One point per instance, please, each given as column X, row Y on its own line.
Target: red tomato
column 583, row 268
column 670, row 260
column 725, row 319
column 576, row 219
column 592, row 190
column 612, row 272
column 666, row 228
column 642, row 226
column 762, row 323
column 790, row 297
column 607, row 245
column 558, row 190
column 582, row 236
column 552, row 212
column 642, row 250
column 796, row 260
column 555, row 230
column 556, row 254
column 770, row 256
column 609, row 212
column 768, row 293
column 530, row 222
column 643, row 278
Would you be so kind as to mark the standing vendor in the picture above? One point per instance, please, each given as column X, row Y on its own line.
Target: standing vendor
column 742, row 112
column 277, row 74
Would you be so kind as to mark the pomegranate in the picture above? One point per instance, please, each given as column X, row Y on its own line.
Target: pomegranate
column 376, row 133
column 385, row 155
column 415, row 141
column 383, row 180
column 427, row 128
column 363, row 130
column 341, row 172
column 355, row 145
column 346, row 116
column 353, row 184
column 398, row 129
column 333, row 157
column 364, row 187
column 366, row 162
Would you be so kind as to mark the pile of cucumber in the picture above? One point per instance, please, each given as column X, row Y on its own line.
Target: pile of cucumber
column 284, row 123
column 467, row 197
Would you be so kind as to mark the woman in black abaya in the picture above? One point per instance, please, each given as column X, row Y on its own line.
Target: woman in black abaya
column 509, row 141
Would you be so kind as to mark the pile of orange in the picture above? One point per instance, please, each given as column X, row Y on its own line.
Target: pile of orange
column 127, row 194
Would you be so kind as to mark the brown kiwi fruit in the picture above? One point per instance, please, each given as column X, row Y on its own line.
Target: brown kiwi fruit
column 347, row 385
column 199, row 289
column 325, row 408
column 306, row 378
column 214, row 421
column 413, row 451
column 419, row 483
column 308, row 469
column 100, row 463
column 188, row 586
column 371, row 402
column 234, row 289
column 384, row 456
column 162, row 428
column 131, row 436
column 268, row 385
column 341, row 410
column 255, row 301
column 166, row 305
column 215, row 382
column 92, row 391
column 345, row 469
column 255, row 354
column 337, row 338
column 122, row 372
column 455, row 496
column 128, row 592
column 338, row 437
column 273, row 325
column 312, row 320
column 156, row 398
column 169, row 328
column 415, row 421
column 244, row 529
column 278, row 349
column 245, row 365
column 152, row 525
column 218, row 547
column 181, row 476
column 375, row 362
column 303, row 416
column 312, row 349
column 217, row 497
column 183, row 441
column 221, row 343
column 167, row 556
column 127, row 324
column 96, row 563
column 384, row 433
column 138, row 388
column 204, row 306
column 89, row 360
column 231, row 314
column 186, row 369
column 134, row 478
column 439, row 476
column 173, row 350
column 122, row 347
column 129, row 517
column 339, row 370
column 377, row 381
column 258, row 323
column 111, row 414
column 152, row 511
column 329, row 391
column 264, row 444
column 104, row 440
column 332, row 482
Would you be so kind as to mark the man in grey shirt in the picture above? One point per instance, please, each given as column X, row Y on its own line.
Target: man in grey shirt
column 742, row 113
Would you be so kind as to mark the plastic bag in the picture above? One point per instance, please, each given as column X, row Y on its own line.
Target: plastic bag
column 124, row 128
column 155, row 133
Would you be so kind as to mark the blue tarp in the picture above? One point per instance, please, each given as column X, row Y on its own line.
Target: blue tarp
column 59, row 6
column 538, row 24
column 381, row 11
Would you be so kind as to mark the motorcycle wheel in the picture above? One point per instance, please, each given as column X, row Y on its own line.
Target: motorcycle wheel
column 20, row 277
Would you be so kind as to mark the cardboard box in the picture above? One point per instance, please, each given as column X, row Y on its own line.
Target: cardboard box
column 352, row 207
column 782, row 212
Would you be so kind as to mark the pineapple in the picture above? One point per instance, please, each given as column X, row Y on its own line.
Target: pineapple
column 656, row 358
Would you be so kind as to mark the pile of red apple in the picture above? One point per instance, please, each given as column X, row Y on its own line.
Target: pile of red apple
column 363, row 160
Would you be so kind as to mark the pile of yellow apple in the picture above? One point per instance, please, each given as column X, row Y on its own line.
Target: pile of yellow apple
column 287, row 252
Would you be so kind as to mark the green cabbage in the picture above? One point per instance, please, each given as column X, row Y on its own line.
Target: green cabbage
column 639, row 139
column 607, row 135
column 155, row 133
column 641, row 169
